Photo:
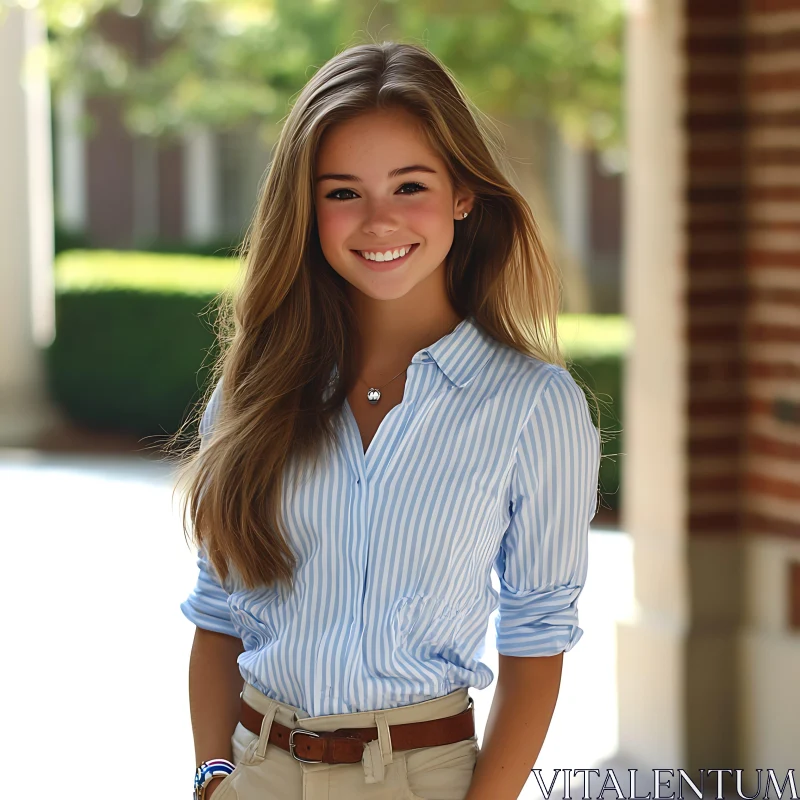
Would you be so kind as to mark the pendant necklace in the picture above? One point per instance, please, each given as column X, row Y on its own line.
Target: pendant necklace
column 374, row 394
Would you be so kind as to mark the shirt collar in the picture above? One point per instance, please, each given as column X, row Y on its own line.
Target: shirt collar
column 460, row 354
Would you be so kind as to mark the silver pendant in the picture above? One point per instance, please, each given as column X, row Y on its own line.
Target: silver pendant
column 373, row 395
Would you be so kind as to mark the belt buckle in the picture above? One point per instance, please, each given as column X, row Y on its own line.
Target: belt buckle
column 292, row 745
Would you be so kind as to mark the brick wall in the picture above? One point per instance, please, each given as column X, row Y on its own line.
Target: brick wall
column 111, row 156
column 716, row 283
column 773, row 267
column 743, row 282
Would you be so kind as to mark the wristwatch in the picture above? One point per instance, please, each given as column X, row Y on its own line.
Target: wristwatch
column 206, row 772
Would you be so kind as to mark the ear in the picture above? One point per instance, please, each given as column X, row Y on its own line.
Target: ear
column 464, row 201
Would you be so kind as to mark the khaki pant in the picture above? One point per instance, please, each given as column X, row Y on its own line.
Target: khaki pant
column 426, row 773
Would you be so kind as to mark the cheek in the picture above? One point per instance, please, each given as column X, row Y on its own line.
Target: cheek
column 429, row 215
column 333, row 224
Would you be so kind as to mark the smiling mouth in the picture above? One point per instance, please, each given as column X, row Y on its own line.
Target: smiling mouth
column 390, row 261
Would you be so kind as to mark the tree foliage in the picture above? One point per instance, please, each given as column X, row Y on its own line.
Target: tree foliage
column 224, row 61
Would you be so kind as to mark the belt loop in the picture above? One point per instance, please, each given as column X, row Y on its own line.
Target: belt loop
column 384, row 738
column 266, row 727
column 378, row 752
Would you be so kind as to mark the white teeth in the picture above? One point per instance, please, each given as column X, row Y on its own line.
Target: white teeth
column 389, row 255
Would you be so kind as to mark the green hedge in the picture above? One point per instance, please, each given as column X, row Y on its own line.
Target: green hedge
column 134, row 337
column 135, row 340
column 595, row 346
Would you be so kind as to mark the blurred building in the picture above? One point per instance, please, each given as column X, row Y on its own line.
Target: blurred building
column 125, row 191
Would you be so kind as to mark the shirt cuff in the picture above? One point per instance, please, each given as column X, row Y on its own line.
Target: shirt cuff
column 208, row 621
column 541, row 623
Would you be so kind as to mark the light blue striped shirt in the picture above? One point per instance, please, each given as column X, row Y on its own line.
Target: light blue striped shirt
column 490, row 461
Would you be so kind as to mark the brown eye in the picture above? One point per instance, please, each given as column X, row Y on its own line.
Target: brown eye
column 418, row 187
column 333, row 194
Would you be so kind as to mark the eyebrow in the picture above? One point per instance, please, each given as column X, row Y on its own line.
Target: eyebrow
column 330, row 176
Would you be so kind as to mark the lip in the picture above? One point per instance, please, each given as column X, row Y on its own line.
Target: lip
column 385, row 266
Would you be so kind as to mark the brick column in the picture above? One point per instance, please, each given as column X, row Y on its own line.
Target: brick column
column 770, row 642
column 708, row 665
column 716, row 300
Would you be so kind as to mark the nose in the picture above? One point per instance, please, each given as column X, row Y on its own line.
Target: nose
column 380, row 221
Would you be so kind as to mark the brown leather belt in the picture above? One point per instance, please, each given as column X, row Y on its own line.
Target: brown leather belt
column 346, row 745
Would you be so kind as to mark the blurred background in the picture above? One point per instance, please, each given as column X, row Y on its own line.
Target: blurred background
column 658, row 145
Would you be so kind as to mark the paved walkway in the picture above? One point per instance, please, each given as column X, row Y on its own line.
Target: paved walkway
column 95, row 568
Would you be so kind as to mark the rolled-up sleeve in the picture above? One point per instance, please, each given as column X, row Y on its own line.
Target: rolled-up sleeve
column 207, row 605
column 542, row 562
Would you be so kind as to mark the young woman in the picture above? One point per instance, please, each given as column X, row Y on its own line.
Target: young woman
column 391, row 418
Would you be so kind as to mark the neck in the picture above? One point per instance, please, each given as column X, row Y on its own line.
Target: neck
column 392, row 331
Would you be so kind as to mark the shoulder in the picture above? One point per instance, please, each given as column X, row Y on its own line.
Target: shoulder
column 535, row 381
column 548, row 398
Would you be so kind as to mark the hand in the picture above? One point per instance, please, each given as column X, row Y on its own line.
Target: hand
column 213, row 784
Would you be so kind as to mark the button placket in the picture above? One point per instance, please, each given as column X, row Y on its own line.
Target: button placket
column 366, row 466
column 360, row 543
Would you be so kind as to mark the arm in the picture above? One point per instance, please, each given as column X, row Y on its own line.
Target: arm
column 214, row 687
column 542, row 565
column 522, row 707
column 214, row 678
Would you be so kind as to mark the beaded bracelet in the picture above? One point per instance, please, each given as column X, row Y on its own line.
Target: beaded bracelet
column 207, row 771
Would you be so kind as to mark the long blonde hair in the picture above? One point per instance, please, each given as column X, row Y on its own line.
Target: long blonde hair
column 288, row 323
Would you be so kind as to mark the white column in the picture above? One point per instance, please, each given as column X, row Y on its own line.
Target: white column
column 26, row 230
column 70, row 161
column 201, row 185
column 146, row 200
column 652, row 648
column 770, row 657
column 573, row 199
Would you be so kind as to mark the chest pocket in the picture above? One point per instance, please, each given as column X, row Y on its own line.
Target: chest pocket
column 425, row 623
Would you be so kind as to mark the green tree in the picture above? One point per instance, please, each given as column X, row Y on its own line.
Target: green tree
column 221, row 61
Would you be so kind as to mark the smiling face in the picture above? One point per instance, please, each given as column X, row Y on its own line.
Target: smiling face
column 366, row 208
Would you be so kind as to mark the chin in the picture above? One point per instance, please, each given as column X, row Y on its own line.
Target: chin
column 384, row 292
